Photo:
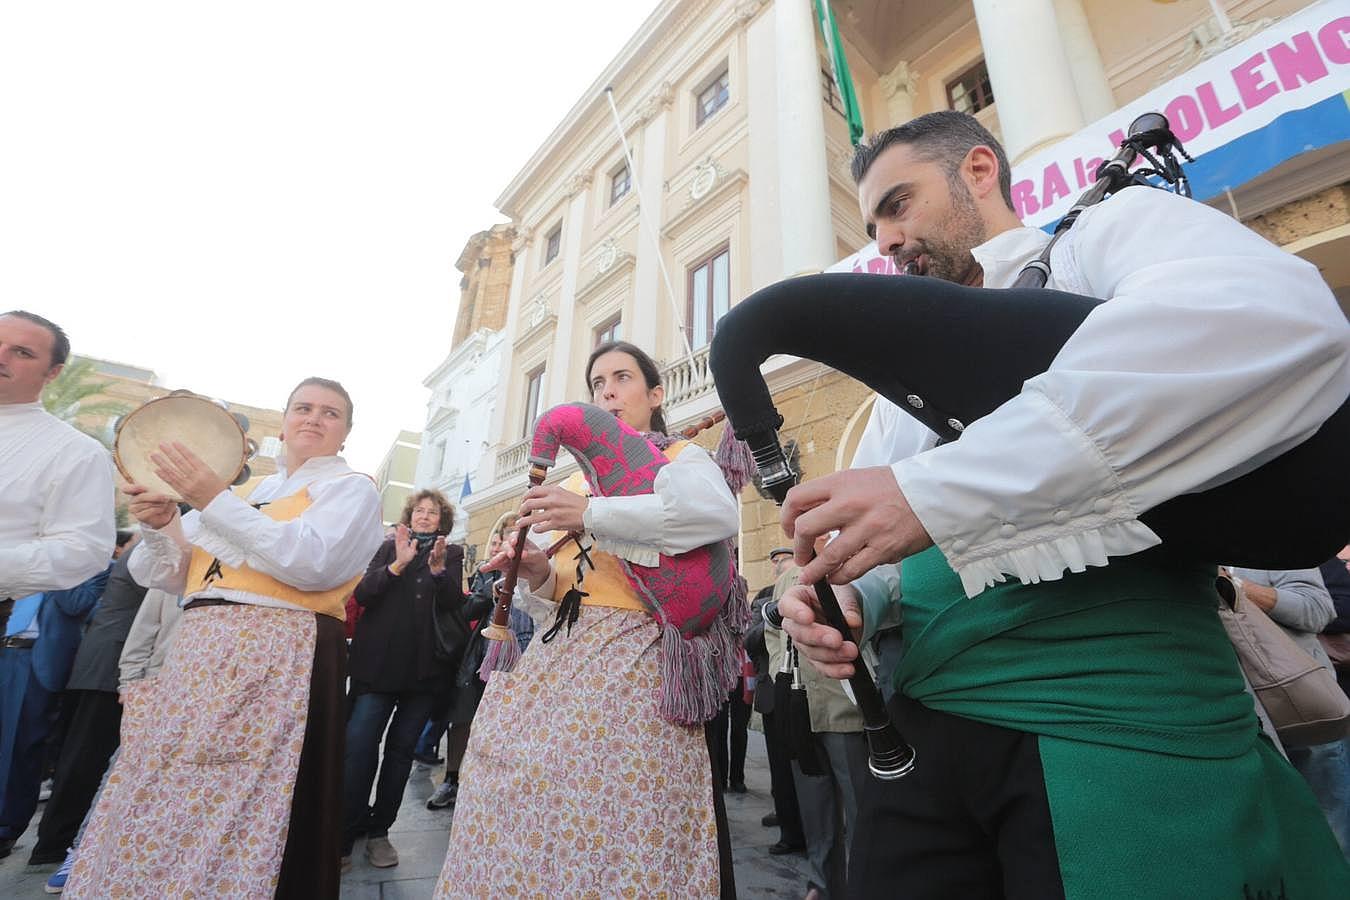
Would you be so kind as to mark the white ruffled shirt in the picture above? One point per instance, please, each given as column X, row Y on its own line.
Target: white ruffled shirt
column 1215, row 353
column 56, row 503
column 690, row 506
column 331, row 542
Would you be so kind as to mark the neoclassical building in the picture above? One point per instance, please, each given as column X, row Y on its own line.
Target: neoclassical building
column 465, row 385
column 738, row 175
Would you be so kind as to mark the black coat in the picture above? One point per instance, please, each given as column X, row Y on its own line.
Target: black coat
column 394, row 645
column 759, row 653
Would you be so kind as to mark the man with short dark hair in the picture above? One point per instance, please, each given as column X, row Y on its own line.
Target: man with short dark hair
column 56, row 537
column 1080, row 731
column 56, row 486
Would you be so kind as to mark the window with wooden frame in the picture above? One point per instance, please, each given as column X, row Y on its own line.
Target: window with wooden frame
column 709, row 295
column 712, row 97
column 534, row 389
column 552, row 244
column 619, row 184
column 609, row 330
column 970, row 91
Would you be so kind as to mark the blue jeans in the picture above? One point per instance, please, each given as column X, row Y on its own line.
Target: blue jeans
column 370, row 713
column 430, row 741
column 1326, row 768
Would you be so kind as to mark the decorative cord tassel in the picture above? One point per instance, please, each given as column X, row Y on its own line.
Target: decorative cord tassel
column 501, row 656
column 569, row 610
column 735, row 459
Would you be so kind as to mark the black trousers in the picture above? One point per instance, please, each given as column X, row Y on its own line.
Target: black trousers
column 781, row 783
column 724, row 861
column 971, row 821
column 91, row 739
column 731, row 722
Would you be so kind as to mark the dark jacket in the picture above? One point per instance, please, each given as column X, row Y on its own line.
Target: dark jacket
column 96, row 662
column 60, row 621
column 759, row 654
column 394, row 646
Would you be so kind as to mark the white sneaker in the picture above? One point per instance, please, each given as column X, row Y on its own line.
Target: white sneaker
column 443, row 796
column 45, row 791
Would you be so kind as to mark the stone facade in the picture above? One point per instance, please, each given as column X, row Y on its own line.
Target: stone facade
column 464, row 387
column 485, row 289
column 1303, row 218
column 764, row 179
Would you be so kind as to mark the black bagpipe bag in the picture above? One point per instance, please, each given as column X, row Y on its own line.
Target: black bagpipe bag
column 964, row 351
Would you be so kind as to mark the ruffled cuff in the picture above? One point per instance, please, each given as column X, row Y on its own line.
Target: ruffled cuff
column 636, row 553
column 1050, row 558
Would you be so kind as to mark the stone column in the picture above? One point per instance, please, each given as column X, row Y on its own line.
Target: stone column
column 559, row 377
column 497, row 437
column 899, row 86
column 1029, row 72
column 649, row 305
column 806, row 227
column 1095, row 97
column 761, row 95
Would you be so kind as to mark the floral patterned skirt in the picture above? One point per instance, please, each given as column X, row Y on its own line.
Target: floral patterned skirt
column 573, row 786
column 199, row 801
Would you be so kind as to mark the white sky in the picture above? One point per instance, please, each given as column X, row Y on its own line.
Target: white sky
column 238, row 195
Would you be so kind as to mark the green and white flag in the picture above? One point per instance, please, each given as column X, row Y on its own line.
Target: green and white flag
column 843, row 80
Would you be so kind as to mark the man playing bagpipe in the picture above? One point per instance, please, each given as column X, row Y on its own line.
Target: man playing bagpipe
column 1081, row 727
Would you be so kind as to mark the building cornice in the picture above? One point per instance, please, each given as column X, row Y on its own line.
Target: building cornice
column 721, row 184
column 664, row 26
column 623, row 263
column 474, row 343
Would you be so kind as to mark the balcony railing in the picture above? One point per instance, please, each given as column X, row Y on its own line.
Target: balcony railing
column 511, row 460
column 685, row 378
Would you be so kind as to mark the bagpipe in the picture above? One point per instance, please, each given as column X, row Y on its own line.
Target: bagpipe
column 948, row 354
column 698, row 597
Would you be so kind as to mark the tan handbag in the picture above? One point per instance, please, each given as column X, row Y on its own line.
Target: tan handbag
column 1301, row 696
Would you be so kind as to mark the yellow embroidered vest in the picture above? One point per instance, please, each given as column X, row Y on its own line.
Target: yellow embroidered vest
column 200, row 576
column 606, row 584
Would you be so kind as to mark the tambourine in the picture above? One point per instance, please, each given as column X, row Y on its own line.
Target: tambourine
column 202, row 425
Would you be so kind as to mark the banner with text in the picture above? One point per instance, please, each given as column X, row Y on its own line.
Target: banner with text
column 1280, row 93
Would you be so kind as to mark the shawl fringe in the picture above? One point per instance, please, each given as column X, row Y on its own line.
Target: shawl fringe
column 698, row 671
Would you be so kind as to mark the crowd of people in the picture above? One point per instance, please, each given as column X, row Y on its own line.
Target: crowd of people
column 231, row 696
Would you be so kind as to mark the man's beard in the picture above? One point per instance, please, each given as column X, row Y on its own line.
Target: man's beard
column 948, row 256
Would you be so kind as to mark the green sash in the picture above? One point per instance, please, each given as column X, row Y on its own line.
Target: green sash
column 1159, row 782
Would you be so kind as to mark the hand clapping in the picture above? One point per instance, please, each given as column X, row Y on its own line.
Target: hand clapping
column 436, row 561
column 405, row 548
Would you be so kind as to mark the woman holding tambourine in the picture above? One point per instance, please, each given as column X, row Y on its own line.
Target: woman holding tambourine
column 236, row 789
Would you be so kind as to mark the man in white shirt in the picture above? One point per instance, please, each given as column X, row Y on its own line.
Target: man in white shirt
column 56, row 484
column 1046, row 706
column 56, row 533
